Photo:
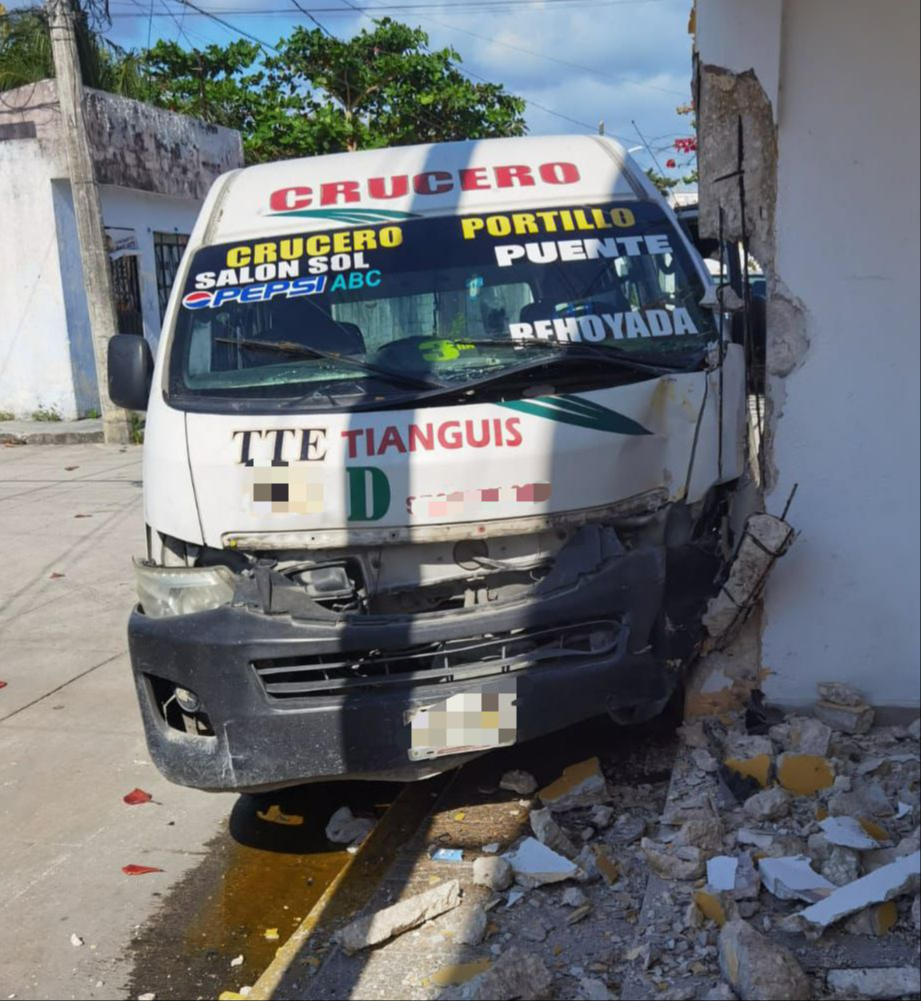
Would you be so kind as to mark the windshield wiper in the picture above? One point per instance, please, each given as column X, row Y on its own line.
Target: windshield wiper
column 563, row 352
column 291, row 348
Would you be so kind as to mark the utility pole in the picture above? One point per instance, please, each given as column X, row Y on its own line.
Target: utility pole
column 87, row 208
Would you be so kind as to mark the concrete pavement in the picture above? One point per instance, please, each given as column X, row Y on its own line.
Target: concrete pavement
column 71, row 743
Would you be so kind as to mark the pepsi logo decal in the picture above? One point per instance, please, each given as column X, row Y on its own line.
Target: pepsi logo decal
column 293, row 289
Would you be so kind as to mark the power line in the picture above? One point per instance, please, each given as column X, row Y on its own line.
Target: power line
column 467, row 6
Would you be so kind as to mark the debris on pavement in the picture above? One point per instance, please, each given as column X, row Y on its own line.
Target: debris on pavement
column 391, row 921
column 344, row 828
column 139, row 870
column 899, row 878
column 759, row 969
column 887, row 982
column 515, row 974
column 136, row 797
column 535, row 864
column 794, row 879
column 493, row 872
column 517, row 781
column 446, row 854
column 75, row 940
column 582, row 784
column 848, row 833
column 275, row 815
column 843, row 708
column 548, row 832
column 237, row 960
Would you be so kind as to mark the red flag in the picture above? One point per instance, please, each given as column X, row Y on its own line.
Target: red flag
column 136, row 797
column 139, row 870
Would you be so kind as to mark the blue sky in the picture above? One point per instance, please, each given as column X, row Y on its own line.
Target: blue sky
column 616, row 60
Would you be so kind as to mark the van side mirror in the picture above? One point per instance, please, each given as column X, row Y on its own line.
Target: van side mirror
column 130, row 369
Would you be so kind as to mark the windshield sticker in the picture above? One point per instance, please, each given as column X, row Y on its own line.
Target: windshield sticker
column 576, row 410
column 591, row 249
column 313, row 285
column 547, row 221
column 607, row 326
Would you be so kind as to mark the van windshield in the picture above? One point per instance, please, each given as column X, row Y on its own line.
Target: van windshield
column 384, row 312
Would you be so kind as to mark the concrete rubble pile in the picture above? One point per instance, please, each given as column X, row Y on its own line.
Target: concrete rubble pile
column 769, row 861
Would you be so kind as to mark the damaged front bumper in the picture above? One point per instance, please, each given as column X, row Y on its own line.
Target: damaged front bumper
column 283, row 699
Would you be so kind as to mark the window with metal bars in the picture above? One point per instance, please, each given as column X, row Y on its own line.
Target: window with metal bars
column 168, row 250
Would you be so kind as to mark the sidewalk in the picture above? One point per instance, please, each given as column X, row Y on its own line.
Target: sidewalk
column 86, row 432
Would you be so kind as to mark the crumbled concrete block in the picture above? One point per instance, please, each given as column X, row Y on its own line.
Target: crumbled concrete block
column 841, row 867
column 804, row 774
column 794, row 878
column 748, row 879
column 770, row 804
column 914, row 731
column 759, row 969
column 750, row 757
column 886, row 982
column 707, row 835
column 573, row 897
column 803, row 735
column 877, row 920
column 839, row 693
column 721, row 872
column 515, row 974
column 759, row 839
column 867, row 799
column 465, row 925
column 847, row 719
column 715, row 905
column 721, row 992
column 536, row 864
column 602, row 815
column 517, row 781
column 593, row 989
column 548, row 832
column 684, row 863
column 494, row 872
column 704, row 760
column 344, row 828
column 897, row 879
column 848, row 833
column 582, row 784
column 400, row 917
column 627, row 829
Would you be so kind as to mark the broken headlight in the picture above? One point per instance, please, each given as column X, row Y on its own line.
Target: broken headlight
column 164, row 591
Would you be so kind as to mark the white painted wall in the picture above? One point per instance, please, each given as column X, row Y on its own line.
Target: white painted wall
column 147, row 214
column 844, row 602
column 35, row 366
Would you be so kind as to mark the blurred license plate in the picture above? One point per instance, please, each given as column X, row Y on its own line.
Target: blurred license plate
column 468, row 721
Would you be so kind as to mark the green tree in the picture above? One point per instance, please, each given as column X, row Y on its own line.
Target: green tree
column 386, row 88
column 25, row 54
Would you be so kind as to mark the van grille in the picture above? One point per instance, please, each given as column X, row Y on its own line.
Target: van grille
column 436, row 663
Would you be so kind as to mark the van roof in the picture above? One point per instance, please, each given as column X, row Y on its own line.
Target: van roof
column 389, row 185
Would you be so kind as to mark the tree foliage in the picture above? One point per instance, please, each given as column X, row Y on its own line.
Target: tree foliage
column 25, row 54
column 314, row 94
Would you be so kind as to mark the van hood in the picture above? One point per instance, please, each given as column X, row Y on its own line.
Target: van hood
column 426, row 474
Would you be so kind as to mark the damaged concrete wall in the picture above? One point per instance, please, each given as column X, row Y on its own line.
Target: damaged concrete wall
column 138, row 146
column 828, row 96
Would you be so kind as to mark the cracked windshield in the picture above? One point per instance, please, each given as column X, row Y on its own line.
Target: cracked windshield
column 420, row 305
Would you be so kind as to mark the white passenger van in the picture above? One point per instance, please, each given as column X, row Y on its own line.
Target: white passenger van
column 438, row 447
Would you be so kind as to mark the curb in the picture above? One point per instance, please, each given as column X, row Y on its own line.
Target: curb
column 50, row 438
column 409, row 810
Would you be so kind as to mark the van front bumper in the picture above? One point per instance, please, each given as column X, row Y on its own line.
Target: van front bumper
column 572, row 650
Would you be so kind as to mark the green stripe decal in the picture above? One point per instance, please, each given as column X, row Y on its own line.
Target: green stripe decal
column 579, row 412
column 350, row 215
